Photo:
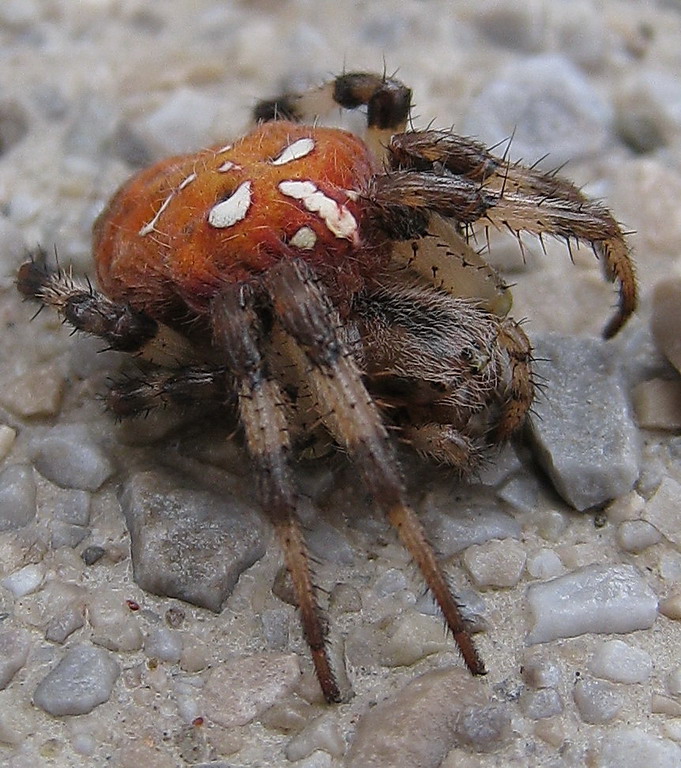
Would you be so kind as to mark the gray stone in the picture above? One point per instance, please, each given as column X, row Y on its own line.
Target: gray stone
column 416, row 727
column 17, row 497
column 580, row 425
column 455, row 521
column 69, row 456
column 82, row 680
column 188, row 543
column 239, row 690
column 549, row 108
column 597, row 598
column 14, row 648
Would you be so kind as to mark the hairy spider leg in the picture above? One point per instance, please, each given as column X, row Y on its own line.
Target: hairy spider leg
column 523, row 199
column 262, row 408
column 355, row 422
column 387, row 100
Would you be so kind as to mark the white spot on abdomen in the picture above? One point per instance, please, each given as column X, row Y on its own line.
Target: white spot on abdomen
column 294, row 151
column 150, row 226
column 228, row 165
column 304, row 238
column 233, row 209
column 337, row 218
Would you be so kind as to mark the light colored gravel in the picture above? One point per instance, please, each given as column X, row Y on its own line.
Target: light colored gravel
column 144, row 615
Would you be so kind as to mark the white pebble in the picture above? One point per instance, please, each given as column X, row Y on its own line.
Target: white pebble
column 495, row 563
column 637, row 535
column 627, row 507
column 617, row 661
column 657, row 404
column 411, row 637
column 544, row 564
column 597, row 598
column 69, row 456
column 323, row 734
column 597, row 701
column 115, row 627
column 664, row 511
column 25, row 580
column 634, row 748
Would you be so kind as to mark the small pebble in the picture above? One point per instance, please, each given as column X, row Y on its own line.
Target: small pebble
column 597, row 598
column 289, row 716
column 544, row 564
column 411, row 637
column 68, row 455
column 7, row 437
column 82, row 680
column 671, row 606
column 37, row 393
column 618, row 662
column 627, row 507
column 637, row 535
column 455, row 523
column 17, row 497
column 323, row 734
column 14, row 647
column 664, row 512
column 666, row 319
column 114, row 626
column 163, row 644
column 673, row 681
column 92, row 554
column 416, row 727
column 598, row 701
column 495, row 563
column 665, row 705
column 542, row 703
column 540, row 671
column 345, row 599
column 240, row 690
column 24, row 581
column 657, row 404
column 581, row 376
column 634, row 748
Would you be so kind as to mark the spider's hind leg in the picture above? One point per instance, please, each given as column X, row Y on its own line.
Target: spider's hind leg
column 387, row 101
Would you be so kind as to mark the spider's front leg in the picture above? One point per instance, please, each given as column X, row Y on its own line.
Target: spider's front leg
column 351, row 416
column 512, row 197
column 237, row 331
column 120, row 325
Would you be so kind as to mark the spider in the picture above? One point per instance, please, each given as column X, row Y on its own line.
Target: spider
column 308, row 282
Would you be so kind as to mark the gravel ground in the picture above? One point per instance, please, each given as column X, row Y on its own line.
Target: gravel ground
column 145, row 615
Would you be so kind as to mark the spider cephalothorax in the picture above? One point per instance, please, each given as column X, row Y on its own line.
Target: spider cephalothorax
column 305, row 279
